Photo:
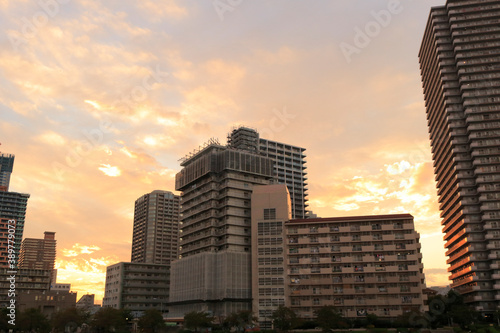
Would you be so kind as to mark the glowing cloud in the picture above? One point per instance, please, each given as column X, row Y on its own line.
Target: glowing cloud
column 109, row 170
column 94, row 104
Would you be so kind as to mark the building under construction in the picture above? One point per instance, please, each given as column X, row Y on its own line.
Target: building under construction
column 214, row 272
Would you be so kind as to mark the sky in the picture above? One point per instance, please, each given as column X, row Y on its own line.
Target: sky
column 100, row 99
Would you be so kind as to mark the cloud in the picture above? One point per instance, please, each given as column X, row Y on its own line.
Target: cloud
column 108, row 170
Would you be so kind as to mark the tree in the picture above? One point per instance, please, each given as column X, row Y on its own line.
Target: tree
column 240, row 320
column 328, row 318
column 109, row 319
column 284, row 319
column 33, row 320
column 71, row 317
column 194, row 320
column 152, row 321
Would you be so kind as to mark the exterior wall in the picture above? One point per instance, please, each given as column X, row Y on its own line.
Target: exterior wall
column 369, row 264
column 271, row 208
column 156, row 228
column 459, row 61
column 137, row 287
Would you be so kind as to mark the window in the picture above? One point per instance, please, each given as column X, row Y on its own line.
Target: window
column 269, row 213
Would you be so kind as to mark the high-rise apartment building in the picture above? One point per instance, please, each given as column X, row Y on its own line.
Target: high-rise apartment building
column 460, row 67
column 156, row 228
column 12, row 210
column 214, row 273
column 289, row 164
column 38, row 253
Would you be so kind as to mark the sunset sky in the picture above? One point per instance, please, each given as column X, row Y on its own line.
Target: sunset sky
column 100, row 99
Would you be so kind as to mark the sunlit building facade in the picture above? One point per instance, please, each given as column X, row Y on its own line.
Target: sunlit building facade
column 460, row 68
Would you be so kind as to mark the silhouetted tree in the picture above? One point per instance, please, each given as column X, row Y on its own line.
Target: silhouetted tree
column 194, row 320
column 33, row 320
column 284, row 319
column 152, row 321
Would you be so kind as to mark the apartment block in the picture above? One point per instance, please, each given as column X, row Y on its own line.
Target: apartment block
column 460, row 68
column 289, row 164
column 38, row 253
column 137, row 287
column 361, row 265
column 156, row 228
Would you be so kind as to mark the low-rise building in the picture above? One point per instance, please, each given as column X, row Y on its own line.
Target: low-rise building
column 137, row 287
column 361, row 265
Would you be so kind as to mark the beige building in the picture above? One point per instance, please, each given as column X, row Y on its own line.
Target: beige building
column 361, row 265
column 271, row 208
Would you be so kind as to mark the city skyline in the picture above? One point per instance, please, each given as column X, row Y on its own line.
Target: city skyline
column 96, row 127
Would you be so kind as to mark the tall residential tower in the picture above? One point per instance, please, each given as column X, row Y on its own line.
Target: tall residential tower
column 289, row 164
column 460, row 67
column 156, row 228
